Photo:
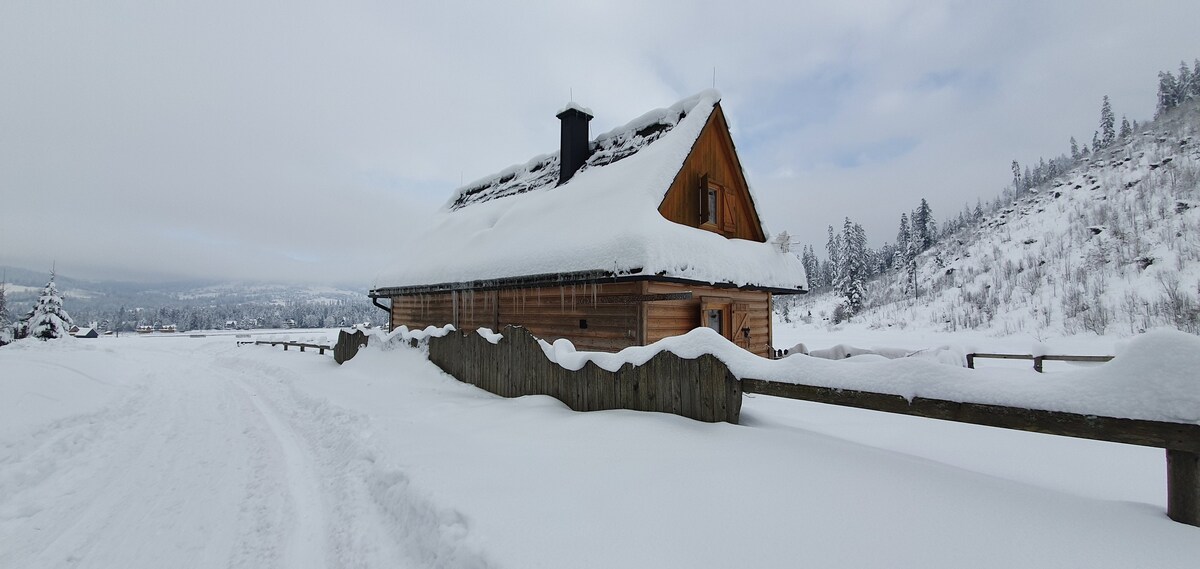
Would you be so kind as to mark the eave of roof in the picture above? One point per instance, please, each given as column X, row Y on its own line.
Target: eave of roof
column 563, row 279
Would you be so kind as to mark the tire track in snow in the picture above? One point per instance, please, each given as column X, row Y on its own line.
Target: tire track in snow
column 306, row 544
column 377, row 517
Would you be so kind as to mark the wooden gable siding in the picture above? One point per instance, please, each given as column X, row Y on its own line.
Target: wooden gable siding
column 743, row 308
column 713, row 156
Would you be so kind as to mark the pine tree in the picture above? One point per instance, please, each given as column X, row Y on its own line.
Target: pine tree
column 1195, row 90
column 1096, row 141
column 4, row 316
column 6, row 333
column 1016, row 170
column 1183, row 88
column 833, row 248
column 1126, row 129
column 1168, row 90
column 1074, row 149
column 48, row 319
column 904, row 234
column 1108, row 133
column 852, row 281
column 924, row 230
column 809, row 260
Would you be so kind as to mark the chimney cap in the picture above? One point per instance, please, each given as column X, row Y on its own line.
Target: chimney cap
column 576, row 107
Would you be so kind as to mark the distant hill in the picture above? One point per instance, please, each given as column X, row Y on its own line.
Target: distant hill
column 1111, row 246
column 195, row 304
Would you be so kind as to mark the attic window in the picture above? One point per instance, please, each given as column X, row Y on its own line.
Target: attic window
column 712, row 199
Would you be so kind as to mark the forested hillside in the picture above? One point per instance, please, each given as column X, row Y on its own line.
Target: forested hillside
column 1103, row 240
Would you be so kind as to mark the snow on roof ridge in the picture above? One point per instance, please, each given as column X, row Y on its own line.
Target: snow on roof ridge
column 541, row 171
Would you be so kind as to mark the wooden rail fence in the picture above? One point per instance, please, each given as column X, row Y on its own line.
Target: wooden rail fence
column 346, row 347
column 1037, row 360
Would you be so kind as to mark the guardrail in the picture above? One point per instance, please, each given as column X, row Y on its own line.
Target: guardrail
column 346, row 347
column 1037, row 360
column 301, row 345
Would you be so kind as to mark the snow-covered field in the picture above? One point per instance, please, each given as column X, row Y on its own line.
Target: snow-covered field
column 193, row 452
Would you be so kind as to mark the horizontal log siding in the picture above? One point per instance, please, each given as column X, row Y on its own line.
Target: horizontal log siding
column 554, row 312
column 672, row 318
column 551, row 313
column 420, row 310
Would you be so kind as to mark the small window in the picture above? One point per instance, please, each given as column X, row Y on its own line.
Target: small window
column 712, row 319
column 582, row 323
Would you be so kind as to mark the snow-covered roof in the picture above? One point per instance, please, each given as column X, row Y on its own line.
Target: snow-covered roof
column 604, row 220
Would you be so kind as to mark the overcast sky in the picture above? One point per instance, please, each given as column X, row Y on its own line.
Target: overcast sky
column 296, row 141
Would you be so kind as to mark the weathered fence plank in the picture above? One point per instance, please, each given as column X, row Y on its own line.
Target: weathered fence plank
column 701, row 389
column 348, row 345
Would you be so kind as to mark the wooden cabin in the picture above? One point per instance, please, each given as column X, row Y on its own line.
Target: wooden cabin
column 644, row 232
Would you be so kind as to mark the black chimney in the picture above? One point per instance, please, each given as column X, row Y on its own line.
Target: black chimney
column 574, row 148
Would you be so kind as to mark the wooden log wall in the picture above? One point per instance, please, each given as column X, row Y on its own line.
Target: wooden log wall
column 701, row 389
column 672, row 318
column 558, row 312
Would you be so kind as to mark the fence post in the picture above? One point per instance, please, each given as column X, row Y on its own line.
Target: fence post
column 971, row 361
column 1037, row 364
column 1183, row 487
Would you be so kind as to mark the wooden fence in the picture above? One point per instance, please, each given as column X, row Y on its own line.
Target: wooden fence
column 704, row 389
column 286, row 345
column 1181, row 440
column 346, row 347
column 701, row 389
column 1037, row 360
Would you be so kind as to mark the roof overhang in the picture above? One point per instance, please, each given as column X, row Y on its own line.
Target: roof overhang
column 562, row 279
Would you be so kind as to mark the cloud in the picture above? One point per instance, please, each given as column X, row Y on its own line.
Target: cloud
column 298, row 141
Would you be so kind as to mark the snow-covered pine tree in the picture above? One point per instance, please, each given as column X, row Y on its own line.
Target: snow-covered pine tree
column 1108, row 121
column 1126, row 129
column 1096, row 145
column 811, row 267
column 49, row 320
column 923, row 227
column 1016, row 170
column 4, row 316
column 6, row 333
column 853, row 286
column 833, row 248
column 1074, row 149
column 1168, row 91
column 1195, row 90
column 1183, row 85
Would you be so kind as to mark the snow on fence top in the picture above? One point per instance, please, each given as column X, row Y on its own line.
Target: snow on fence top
column 1155, row 377
column 519, row 223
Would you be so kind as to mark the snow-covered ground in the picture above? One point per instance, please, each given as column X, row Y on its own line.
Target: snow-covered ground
column 194, row 452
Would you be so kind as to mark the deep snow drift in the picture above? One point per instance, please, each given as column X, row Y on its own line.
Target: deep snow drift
column 192, row 452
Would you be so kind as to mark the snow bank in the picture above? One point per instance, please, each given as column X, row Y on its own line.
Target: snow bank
column 1153, row 378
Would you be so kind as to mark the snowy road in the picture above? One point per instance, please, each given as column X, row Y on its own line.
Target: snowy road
column 191, row 462
column 149, row 453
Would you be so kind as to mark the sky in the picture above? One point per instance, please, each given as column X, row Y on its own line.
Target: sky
column 299, row 141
